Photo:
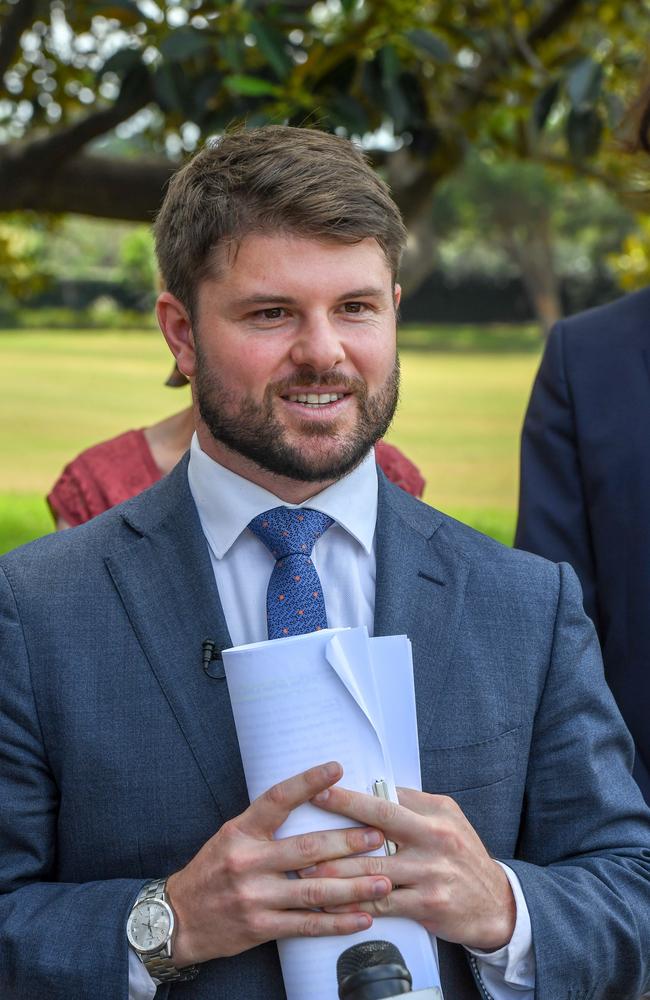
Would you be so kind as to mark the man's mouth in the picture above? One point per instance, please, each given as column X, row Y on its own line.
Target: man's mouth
column 315, row 398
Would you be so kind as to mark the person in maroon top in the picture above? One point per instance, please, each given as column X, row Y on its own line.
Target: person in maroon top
column 115, row 470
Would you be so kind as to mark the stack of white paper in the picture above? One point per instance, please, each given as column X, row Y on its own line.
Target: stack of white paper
column 330, row 695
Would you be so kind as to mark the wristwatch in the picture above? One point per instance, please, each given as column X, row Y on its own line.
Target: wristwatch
column 149, row 930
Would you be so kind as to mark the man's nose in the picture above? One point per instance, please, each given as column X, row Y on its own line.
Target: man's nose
column 318, row 345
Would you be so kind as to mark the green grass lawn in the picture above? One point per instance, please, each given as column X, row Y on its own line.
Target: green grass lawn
column 463, row 397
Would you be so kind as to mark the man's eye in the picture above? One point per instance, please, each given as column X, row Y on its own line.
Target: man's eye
column 275, row 312
column 354, row 307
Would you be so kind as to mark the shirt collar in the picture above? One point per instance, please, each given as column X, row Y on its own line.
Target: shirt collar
column 226, row 502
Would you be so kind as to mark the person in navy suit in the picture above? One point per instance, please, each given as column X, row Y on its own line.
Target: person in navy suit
column 585, row 480
column 132, row 864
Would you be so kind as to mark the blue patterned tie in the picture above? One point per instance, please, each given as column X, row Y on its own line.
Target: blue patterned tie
column 294, row 600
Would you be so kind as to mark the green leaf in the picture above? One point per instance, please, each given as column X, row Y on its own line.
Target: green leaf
column 394, row 98
column 584, row 131
column 232, row 52
column 166, row 90
column 250, row 86
column 432, row 44
column 418, row 110
column 544, row 103
column 340, row 78
column 177, row 91
column 372, row 84
column 271, row 44
column 134, row 82
column 584, row 83
column 183, row 43
column 390, row 66
column 399, row 108
column 349, row 113
column 203, row 91
column 121, row 62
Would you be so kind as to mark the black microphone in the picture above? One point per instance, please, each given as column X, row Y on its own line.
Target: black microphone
column 211, row 659
column 372, row 970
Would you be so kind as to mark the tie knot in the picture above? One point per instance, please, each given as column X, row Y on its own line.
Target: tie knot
column 286, row 531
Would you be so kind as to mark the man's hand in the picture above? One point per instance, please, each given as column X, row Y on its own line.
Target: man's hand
column 444, row 877
column 235, row 894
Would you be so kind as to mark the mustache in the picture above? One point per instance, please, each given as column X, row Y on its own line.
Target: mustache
column 307, row 379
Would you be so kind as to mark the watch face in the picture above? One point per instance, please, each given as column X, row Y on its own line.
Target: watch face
column 149, row 925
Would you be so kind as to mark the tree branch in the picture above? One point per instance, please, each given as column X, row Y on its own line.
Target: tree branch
column 17, row 20
column 63, row 144
column 522, row 42
column 112, row 188
column 107, row 188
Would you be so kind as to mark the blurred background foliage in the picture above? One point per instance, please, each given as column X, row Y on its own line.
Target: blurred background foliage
column 632, row 262
column 498, row 126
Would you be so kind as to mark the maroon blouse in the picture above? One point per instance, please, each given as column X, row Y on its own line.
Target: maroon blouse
column 113, row 471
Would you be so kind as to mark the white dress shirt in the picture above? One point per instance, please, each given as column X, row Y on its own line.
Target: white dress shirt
column 242, row 566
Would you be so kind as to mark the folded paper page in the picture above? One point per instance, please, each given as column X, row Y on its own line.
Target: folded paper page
column 392, row 666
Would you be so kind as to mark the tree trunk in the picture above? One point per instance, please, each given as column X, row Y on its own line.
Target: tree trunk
column 532, row 251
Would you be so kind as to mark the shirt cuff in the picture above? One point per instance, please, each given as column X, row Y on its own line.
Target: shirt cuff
column 516, row 960
column 141, row 985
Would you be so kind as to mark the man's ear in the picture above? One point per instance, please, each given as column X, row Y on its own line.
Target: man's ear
column 397, row 295
column 175, row 323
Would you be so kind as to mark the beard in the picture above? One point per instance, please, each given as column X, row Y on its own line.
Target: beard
column 254, row 431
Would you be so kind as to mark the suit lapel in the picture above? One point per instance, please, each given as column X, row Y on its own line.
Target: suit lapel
column 165, row 581
column 420, row 591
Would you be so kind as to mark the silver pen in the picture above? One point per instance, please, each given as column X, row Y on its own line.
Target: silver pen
column 380, row 789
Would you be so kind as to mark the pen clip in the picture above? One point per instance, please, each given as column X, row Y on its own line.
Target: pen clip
column 380, row 791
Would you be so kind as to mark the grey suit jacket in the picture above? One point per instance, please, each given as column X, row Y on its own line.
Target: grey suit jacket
column 119, row 759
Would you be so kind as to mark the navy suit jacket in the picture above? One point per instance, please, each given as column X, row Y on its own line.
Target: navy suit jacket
column 585, row 487
column 119, row 759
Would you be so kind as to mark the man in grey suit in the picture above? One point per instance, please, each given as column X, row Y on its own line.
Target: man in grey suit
column 131, row 863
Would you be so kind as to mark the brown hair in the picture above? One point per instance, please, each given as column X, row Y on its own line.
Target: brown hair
column 270, row 179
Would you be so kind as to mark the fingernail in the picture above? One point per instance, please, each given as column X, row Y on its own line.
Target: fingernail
column 380, row 887
column 332, row 770
column 307, row 871
column 373, row 838
column 322, row 796
column 363, row 920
